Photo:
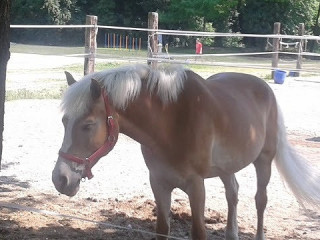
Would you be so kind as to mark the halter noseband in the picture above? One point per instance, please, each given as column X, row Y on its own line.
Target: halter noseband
column 111, row 140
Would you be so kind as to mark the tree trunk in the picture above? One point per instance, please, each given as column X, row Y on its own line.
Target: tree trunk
column 316, row 29
column 4, row 57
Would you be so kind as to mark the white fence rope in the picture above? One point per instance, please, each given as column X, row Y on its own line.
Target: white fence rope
column 287, row 44
column 197, row 60
column 234, row 65
column 51, row 213
column 176, row 32
column 220, row 54
column 243, row 54
column 99, row 55
column 52, row 26
column 168, row 57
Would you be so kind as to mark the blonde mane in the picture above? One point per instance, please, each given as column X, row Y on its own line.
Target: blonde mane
column 123, row 85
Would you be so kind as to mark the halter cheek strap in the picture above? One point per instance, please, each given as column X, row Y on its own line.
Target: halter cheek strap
column 111, row 140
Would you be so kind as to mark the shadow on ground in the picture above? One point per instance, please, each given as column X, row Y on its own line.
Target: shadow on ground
column 130, row 215
column 314, row 139
column 11, row 183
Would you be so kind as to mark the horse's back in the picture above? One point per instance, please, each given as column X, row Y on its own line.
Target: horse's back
column 241, row 93
column 240, row 85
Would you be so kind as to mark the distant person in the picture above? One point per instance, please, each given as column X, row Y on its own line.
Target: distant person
column 159, row 43
column 198, row 46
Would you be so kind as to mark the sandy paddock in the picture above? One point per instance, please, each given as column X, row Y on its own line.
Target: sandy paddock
column 120, row 193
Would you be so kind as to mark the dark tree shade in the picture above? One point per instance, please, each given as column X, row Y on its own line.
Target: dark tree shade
column 4, row 57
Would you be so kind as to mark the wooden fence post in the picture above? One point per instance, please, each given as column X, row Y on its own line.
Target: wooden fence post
column 300, row 50
column 152, row 37
column 275, row 47
column 90, row 44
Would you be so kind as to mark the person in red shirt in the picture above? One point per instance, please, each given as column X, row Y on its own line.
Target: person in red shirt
column 198, row 47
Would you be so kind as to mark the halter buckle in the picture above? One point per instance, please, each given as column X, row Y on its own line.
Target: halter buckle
column 109, row 119
column 111, row 138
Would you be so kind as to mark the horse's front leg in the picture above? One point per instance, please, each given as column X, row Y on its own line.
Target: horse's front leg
column 162, row 195
column 196, row 192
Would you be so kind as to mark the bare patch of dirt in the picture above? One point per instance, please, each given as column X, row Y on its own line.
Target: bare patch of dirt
column 284, row 219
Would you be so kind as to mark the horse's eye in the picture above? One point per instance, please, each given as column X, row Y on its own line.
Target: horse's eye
column 88, row 126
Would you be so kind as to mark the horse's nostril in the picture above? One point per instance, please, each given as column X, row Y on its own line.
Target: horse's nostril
column 64, row 181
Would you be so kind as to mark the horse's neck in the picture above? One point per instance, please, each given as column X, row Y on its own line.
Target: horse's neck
column 153, row 124
column 146, row 120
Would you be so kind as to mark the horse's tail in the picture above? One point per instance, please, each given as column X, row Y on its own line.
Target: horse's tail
column 299, row 175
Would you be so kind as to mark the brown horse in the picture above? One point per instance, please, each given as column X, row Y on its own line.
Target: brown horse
column 189, row 129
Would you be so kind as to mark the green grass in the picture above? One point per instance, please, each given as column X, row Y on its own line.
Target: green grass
column 55, row 87
column 52, row 88
column 78, row 68
column 45, row 50
column 60, row 51
column 34, row 94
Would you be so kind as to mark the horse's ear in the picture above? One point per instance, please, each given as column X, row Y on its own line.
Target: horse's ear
column 70, row 78
column 95, row 89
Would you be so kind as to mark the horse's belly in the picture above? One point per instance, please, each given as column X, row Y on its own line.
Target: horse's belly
column 229, row 160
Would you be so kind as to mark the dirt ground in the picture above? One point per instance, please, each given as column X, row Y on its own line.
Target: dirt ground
column 118, row 203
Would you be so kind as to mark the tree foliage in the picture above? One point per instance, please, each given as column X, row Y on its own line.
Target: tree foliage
column 259, row 16
column 193, row 14
column 59, row 11
column 245, row 16
column 28, row 12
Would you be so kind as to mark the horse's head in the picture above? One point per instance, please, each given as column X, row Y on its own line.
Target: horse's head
column 90, row 133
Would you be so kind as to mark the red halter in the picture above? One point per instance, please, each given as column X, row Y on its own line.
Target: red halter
column 111, row 140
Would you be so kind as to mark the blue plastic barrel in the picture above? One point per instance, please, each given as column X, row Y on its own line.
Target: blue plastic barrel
column 279, row 76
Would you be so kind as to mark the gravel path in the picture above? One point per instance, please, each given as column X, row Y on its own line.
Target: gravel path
column 33, row 134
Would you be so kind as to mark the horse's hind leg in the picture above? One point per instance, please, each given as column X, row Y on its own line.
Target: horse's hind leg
column 231, row 185
column 263, row 171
